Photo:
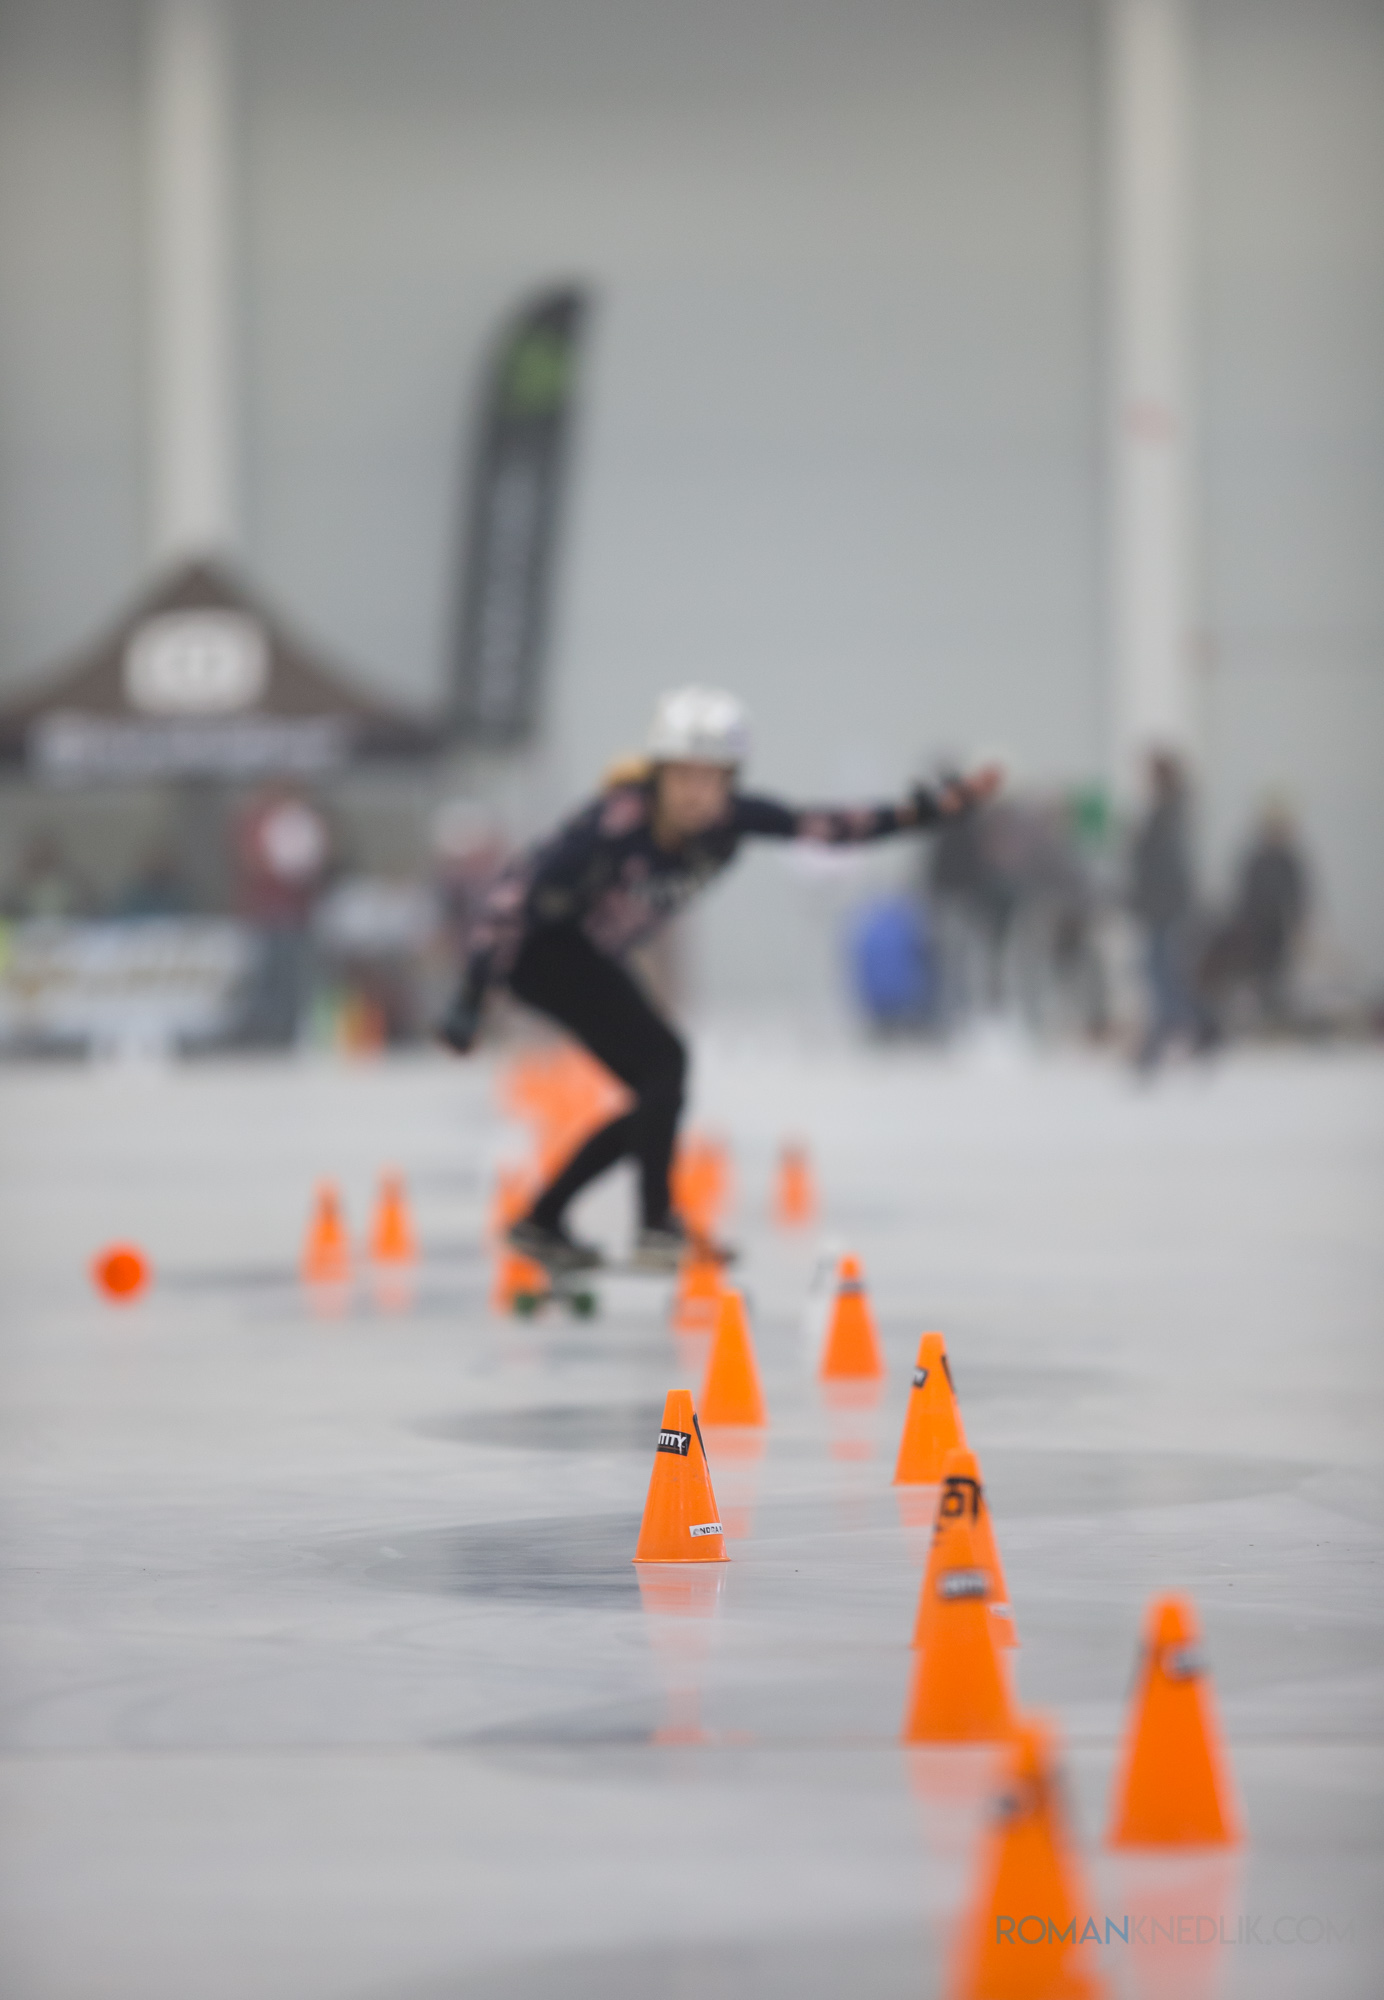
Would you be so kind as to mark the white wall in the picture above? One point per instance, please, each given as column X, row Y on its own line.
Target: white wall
column 842, row 443
column 71, row 496
column 840, row 440
column 1291, row 282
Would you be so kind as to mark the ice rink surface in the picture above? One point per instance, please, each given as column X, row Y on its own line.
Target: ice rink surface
column 326, row 1674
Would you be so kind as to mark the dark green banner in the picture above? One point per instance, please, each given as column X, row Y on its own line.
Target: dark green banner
column 512, row 529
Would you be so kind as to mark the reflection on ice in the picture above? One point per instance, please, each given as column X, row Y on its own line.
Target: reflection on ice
column 680, row 1601
column 736, row 1456
column 853, row 1418
column 1180, row 1911
column 917, row 1507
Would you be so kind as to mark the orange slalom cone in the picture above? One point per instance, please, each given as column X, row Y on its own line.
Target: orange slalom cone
column 960, row 1692
column 932, row 1424
column 1026, row 1934
column 701, row 1183
column 1173, row 1788
column 391, row 1237
column 681, row 1524
column 327, row 1251
column 795, row 1193
column 852, row 1351
column 731, row 1393
column 120, row 1272
column 515, row 1277
column 963, row 1499
column 697, row 1301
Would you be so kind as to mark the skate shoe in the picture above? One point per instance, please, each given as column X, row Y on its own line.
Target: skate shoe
column 663, row 1246
column 550, row 1245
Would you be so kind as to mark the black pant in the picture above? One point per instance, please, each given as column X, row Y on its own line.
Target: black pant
column 561, row 973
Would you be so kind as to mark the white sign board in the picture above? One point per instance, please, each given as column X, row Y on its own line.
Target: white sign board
column 147, row 984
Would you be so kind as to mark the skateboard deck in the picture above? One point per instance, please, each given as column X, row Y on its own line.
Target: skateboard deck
column 579, row 1291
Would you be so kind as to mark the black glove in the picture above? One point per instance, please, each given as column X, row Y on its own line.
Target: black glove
column 461, row 1024
column 951, row 798
column 926, row 801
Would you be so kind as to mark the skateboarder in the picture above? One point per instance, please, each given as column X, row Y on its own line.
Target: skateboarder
column 563, row 914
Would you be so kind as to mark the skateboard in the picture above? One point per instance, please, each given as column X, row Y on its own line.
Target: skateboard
column 578, row 1292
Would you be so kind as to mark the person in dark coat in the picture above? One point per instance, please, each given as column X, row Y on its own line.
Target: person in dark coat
column 1162, row 898
column 1272, row 899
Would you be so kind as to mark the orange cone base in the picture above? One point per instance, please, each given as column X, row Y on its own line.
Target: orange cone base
column 681, row 1523
column 952, row 1701
column 1174, row 1785
column 960, row 1691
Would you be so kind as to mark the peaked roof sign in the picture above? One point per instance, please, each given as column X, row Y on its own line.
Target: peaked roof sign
column 200, row 679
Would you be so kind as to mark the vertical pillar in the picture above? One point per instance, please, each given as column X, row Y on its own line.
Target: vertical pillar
column 191, row 385
column 1152, row 589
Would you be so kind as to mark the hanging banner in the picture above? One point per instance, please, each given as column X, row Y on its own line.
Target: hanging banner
column 516, row 498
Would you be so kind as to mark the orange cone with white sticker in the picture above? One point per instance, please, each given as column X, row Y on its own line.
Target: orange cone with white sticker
column 932, row 1423
column 960, row 1691
column 327, row 1250
column 963, row 1499
column 1028, row 1931
column 795, row 1193
column 681, row 1524
column 1173, row 1788
column 391, row 1234
column 852, row 1351
column 731, row 1393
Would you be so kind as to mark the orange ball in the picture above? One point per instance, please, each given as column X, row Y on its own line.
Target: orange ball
column 121, row 1272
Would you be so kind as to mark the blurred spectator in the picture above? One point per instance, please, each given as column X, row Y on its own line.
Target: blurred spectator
column 372, row 933
column 969, row 918
column 283, row 848
column 45, row 885
column 1162, row 898
column 1058, row 966
column 158, row 890
column 468, row 853
column 1254, row 947
column 1272, row 908
column 892, row 963
column 1015, row 911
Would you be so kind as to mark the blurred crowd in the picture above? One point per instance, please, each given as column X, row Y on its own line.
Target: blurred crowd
column 1049, row 913
column 343, row 954
column 1043, row 911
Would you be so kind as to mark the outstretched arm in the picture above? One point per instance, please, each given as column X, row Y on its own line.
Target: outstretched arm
column 840, row 826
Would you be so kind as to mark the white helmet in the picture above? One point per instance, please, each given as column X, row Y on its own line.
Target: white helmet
column 699, row 725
